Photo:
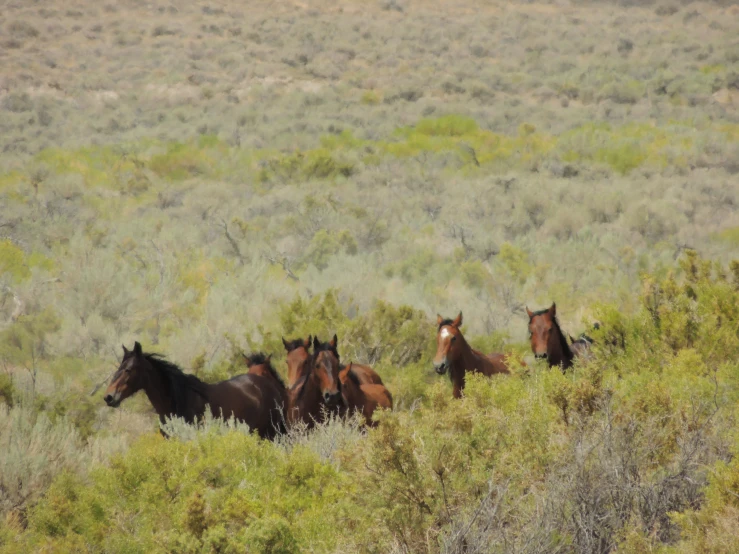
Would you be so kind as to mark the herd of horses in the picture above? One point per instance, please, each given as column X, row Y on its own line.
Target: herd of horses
column 318, row 385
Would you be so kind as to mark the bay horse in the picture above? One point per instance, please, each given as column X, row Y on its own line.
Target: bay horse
column 297, row 354
column 454, row 354
column 251, row 399
column 547, row 339
column 261, row 364
column 363, row 398
column 363, row 372
column 317, row 390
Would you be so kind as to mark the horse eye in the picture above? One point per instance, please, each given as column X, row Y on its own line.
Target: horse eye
column 454, row 338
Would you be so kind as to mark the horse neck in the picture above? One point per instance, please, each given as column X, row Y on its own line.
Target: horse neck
column 306, row 387
column 469, row 360
column 353, row 392
column 558, row 351
column 157, row 391
column 267, row 374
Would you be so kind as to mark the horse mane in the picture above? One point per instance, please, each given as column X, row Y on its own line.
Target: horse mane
column 445, row 322
column 260, row 358
column 294, row 344
column 540, row 312
column 179, row 382
column 564, row 345
column 326, row 347
column 353, row 377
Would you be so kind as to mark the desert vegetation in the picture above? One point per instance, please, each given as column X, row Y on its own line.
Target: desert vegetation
column 206, row 178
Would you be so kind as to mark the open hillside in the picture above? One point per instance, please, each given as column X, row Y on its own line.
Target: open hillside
column 208, row 177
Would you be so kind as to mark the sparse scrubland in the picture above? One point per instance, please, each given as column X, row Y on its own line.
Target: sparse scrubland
column 208, row 177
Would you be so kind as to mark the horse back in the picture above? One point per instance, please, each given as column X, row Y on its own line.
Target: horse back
column 365, row 374
column 252, row 399
column 379, row 394
column 497, row 363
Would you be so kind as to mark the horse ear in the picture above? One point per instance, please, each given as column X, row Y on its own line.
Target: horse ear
column 284, row 343
column 308, row 341
column 126, row 352
column 553, row 309
column 137, row 348
column 246, row 358
column 269, row 358
column 457, row 321
column 529, row 312
column 439, row 319
column 334, row 341
column 316, row 343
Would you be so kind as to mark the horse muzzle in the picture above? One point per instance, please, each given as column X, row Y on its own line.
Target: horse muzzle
column 542, row 356
column 113, row 400
column 332, row 398
column 440, row 368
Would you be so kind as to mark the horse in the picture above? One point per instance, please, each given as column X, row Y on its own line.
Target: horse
column 363, row 398
column 582, row 346
column 260, row 364
column 547, row 339
column 317, row 390
column 297, row 354
column 251, row 399
column 453, row 353
column 363, row 372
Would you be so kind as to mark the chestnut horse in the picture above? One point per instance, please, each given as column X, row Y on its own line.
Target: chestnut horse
column 364, row 373
column 454, row 354
column 317, row 390
column 547, row 339
column 363, row 398
column 251, row 399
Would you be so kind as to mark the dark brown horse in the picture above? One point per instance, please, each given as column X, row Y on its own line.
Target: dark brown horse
column 260, row 364
column 317, row 390
column 251, row 399
column 297, row 354
column 363, row 372
column 363, row 398
column 454, row 354
column 548, row 342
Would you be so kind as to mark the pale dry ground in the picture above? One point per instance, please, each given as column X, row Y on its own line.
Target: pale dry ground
column 282, row 73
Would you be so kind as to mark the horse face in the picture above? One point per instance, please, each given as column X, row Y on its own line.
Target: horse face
column 327, row 370
column 447, row 343
column 297, row 354
column 540, row 329
column 129, row 378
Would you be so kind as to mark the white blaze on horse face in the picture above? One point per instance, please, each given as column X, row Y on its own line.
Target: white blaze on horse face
column 445, row 332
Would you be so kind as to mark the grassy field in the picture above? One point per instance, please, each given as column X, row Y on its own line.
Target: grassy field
column 205, row 177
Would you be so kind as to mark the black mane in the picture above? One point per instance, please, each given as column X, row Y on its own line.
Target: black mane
column 325, row 347
column 260, row 358
column 180, row 383
column 294, row 344
column 540, row 312
column 354, row 377
column 566, row 350
column 445, row 322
